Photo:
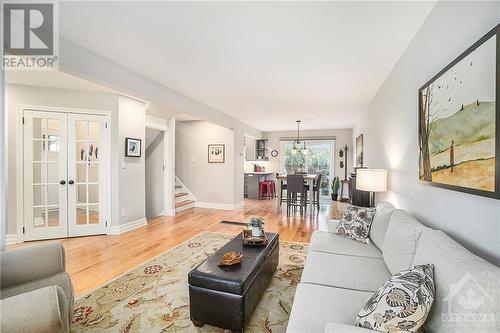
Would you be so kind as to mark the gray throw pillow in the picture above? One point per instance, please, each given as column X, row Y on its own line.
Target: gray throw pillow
column 402, row 303
column 355, row 223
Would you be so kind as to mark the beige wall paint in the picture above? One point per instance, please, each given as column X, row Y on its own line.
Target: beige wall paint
column 209, row 182
column 342, row 137
column 390, row 133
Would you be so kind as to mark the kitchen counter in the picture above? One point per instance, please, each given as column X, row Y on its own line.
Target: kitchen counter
column 259, row 173
column 252, row 181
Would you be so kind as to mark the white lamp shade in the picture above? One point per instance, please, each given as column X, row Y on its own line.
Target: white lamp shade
column 372, row 180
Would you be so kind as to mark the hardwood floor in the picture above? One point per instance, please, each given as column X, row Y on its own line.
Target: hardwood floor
column 94, row 260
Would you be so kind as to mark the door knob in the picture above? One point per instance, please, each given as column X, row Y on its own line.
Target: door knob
column 62, row 182
column 71, row 182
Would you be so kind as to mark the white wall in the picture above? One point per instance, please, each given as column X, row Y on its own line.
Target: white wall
column 209, row 182
column 342, row 137
column 132, row 123
column 3, row 162
column 154, row 173
column 390, row 128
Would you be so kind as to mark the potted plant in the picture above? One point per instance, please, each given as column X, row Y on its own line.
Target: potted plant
column 335, row 188
column 256, row 223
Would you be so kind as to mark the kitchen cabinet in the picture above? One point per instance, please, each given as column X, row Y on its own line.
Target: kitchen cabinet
column 250, row 149
column 261, row 149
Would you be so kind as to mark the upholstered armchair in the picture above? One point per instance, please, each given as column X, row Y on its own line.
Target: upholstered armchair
column 36, row 293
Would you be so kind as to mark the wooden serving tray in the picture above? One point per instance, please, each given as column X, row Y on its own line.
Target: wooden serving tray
column 248, row 239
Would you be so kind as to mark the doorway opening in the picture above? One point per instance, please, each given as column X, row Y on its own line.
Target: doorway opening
column 155, row 170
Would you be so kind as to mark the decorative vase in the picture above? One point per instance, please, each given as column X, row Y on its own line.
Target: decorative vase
column 256, row 232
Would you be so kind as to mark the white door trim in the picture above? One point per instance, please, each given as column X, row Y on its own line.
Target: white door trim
column 20, row 159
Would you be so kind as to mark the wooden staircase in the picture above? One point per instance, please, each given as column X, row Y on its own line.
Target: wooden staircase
column 184, row 200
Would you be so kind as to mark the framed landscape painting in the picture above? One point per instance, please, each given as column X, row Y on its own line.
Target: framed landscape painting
column 459, row 122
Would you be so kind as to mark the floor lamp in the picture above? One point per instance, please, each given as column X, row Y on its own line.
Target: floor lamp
column 371, row 180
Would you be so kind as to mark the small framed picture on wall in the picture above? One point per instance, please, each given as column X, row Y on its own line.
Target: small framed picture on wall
column 132, row 147
column 216, row 153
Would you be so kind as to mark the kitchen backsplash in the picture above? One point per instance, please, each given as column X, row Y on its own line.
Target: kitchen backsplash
column 268, row 166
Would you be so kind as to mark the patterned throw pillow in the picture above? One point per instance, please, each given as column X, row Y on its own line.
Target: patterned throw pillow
column 355, row 223
column 402, row 303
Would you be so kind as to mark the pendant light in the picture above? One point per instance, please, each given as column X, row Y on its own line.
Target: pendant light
column 297, row 143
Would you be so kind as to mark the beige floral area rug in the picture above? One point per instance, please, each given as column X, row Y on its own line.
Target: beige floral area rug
column 154, row 297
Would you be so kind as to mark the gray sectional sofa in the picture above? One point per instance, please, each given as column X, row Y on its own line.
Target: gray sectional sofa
column 36, row 293
column 341, row 274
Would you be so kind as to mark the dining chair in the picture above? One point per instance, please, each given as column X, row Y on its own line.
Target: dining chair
column 316, row 189
column 295, row 190
column 283, row 187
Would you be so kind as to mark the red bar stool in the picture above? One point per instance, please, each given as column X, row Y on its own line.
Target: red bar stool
column 267, row 189
column 262, row 189
column 271, row 189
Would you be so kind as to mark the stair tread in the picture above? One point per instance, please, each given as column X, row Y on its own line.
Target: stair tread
column 183, row 203
column 180, row 194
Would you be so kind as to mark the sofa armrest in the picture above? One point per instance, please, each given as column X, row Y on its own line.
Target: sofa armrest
column 332, row 225
column 39, row 311
column 31, row 263
column 344, row 328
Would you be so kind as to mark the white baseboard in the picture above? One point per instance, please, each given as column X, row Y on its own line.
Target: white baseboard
column 170, row 212
column 119, row 229
column 223, row 206
column 11, row 239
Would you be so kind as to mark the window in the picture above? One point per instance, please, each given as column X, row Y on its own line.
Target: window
column 319, row 159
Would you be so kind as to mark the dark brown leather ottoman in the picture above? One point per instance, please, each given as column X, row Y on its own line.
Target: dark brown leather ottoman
column 227, row 296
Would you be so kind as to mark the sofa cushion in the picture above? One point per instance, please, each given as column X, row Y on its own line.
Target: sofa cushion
column 355, row 223
column 314, row 306
column 401, row 240
column 61, row 280
column 40, row 310
column 402, row 303
column 350, row 272
column 465, row 285
column 380, row 222
column 322, row 241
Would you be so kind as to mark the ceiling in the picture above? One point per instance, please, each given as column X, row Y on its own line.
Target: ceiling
column 263, row 63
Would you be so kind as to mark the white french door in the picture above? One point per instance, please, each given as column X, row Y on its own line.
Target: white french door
column 64, row 168
column 45, row 170
column 86, row 169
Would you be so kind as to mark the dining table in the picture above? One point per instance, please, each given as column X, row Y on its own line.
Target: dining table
column 308, row 179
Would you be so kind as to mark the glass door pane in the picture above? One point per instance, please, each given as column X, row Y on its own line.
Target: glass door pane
column 86, row 155
column 45, row 174
column 319, row 161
